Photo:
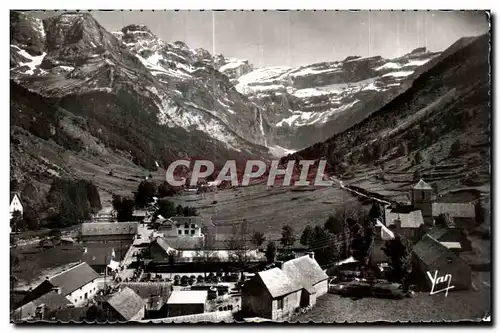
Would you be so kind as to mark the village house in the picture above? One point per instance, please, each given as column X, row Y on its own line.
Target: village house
column 154, row 294
column 15, row 204
column 103, row 259
column 41, row 307
column 271, row 294
column 123, row 306
column 186, row 302
column 431, row 256
column 106, row 232
column 182, row 226
column 406, row 220
column 453, row 238
column 78, row 284
column 307, row 272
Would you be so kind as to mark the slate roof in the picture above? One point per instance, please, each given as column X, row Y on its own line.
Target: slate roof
column 304, row 270
column 429, row 250
column 155, row 294
column 74, row 278
column 109, row 228
column 52, row 301
column 454, row 209
column 412, row 219
column 99, row 255
column 184, row 242
column 278, row 283
column 163, row 244
column 188, row 297
column 127, row 303
column 421, row 185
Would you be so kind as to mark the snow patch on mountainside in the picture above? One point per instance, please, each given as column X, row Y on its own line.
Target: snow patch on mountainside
column 399, row 74
column 278, row 151
column 33, row 63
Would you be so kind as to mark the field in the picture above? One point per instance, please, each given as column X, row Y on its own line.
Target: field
column 467, row 305
column 35, row 263
column 268, row 209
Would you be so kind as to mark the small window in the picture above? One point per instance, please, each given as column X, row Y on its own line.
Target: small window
column 186, row 226
column 186, row 232
column 76, row 300
column 86, row 296
column 179, row 232
column 178, row 226
column 280, row 303
column 193, row 226
column 192, row 232
column 80, row 297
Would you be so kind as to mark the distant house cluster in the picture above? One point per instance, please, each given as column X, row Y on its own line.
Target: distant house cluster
column 423, row 210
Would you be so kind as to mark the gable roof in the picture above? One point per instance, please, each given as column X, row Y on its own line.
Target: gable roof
column 412, row 219
column 454, row 209
column 12, row 194
column 163, row 244
column 304, row 270
column 73, row 278
column 109, row 228
column 98, row 255
column 52, row 301
column 154, row 294
column 127, row 303
column 278, row 283
column 421, row 185
column 429, row 250
column 147, row 289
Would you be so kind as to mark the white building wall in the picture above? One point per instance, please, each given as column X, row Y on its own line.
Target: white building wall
column 15, row 205
column 77, row 297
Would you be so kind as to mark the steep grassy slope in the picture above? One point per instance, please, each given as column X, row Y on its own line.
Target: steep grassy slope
column 450, row 101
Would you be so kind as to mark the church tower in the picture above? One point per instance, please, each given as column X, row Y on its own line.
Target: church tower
column 421, row 198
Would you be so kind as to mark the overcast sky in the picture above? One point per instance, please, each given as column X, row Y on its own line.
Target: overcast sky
column 292, row 38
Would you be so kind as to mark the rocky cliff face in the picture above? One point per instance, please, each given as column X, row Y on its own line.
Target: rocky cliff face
column 69, row 56
column 309, row 103
column 437, row 129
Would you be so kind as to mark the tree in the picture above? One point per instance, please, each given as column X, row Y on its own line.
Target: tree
column 416, row 175
column 73, row 200
column 307, row 236
column 399, row 251
column 206, row 255
column 167, row 190
column 480, row 213
column 456, row 149
column 189, row 211
column 287, row 237
column 179, row 210
column 362, row 243
column 402, row 149
column 443, row 220
column 166, row 208
column 418, row 158
column 258, row 239
column 270, row 252
column 334, row 224
column 375, row 212
column 124, row 208
column 31, row 219
column 146, row 191
column 16, row 221
column 433, row 160
column 323, row 246
column 237, row 245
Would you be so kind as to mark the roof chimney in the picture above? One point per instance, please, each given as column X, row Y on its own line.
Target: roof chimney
column 311, row 254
